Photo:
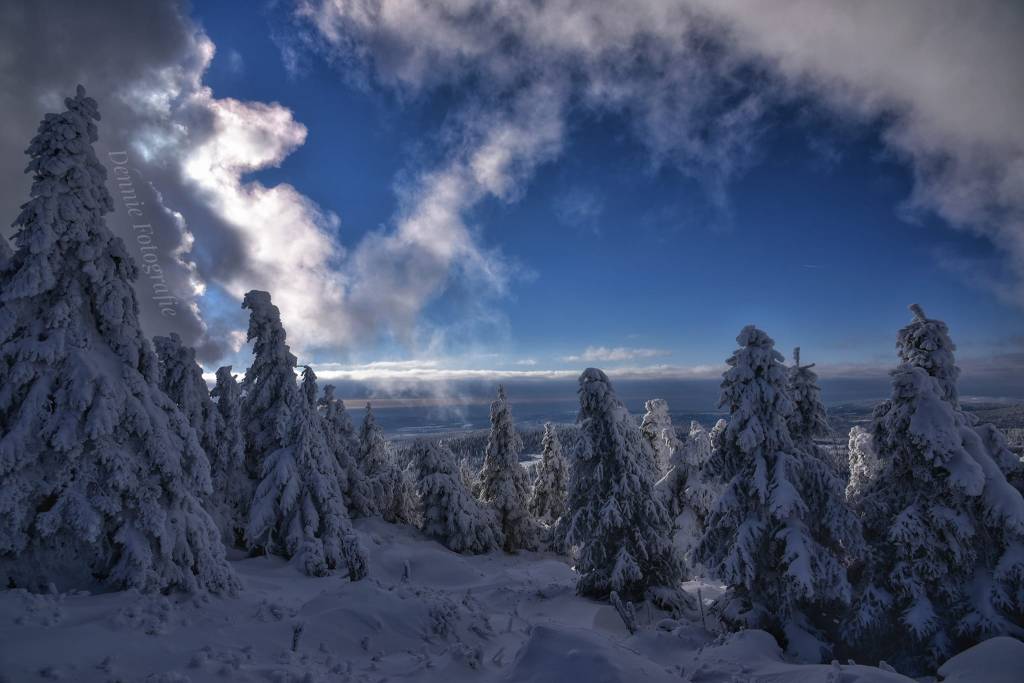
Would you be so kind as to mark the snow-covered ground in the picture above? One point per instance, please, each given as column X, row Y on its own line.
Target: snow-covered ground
column 424, row 614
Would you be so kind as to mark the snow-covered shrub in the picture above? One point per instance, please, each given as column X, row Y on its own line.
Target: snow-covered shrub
column 782, row 568
column 503, row 482
column 343, row 442
column 392, row 493
column 619, row 532
column 101, row 476
column 945, row 562
column 448, row 512
column 298, row 510
column 547, row 502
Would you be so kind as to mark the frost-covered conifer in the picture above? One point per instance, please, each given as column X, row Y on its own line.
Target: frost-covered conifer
column 944, row 529
column 547, row 502
column 238, row 483
column 343, row 442
column 298, row 510
column 657, row 428
column 392, row 493
column 702, row 492
column 503, row 481
column 101, row 476
column 181, row 378
column 685, row 492
column 865, row 466
column 309, row 386
column 809, row 418
column 619, row 531
column 781, row 568
column 448, row 512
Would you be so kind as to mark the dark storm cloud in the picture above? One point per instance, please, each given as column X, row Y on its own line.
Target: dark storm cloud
column 121, row 52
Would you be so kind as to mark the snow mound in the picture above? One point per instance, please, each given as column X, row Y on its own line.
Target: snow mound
column 997, row 660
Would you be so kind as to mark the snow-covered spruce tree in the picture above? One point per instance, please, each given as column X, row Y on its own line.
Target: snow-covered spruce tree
column 181, row 379
column 298, row 510
column 503, row 481
column 925, row 343
column 657, row 428
column 448, row 512
column 702, row 492
column 547, row 502
column 238, row 483
column 783, row 570
column 809, row 419
column 619, row 532
column 308, row 386
column 944, row 529
column 865, row 466
column 392, row 493
column 343, row 442
column 101, row 476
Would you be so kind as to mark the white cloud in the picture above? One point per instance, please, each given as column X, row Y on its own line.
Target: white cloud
column 947, row 75
column 943, row 75
column 598, row 354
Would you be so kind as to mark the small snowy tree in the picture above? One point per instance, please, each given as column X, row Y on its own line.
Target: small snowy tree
column 101, row 476
column 181, row 378
column 448, row 512
column 619, row 531
column 343, row 442
column 657, row 428
column 237, row 483
column 702, row 492
column 782, row 569
column 392, row 492
column 298, row 510
column 865, row 466
column 503, row 482
column 809, row 418
column 309, row 390
column 945, row 562
column 547, row 502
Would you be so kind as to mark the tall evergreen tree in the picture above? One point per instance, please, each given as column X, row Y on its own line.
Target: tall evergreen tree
column 181, row 379
column 447, row 510
column 547, row 502
column 656, row 426
column 236, row 483
column 944, row 529
column 393, row 494
column 298, row 510
column 503, row 482
column 781, row 571
column 101, row 476
column 619, row 531
column 343, row 442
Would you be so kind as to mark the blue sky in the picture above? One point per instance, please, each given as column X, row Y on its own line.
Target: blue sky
column 460, row 190
column 612, row 249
